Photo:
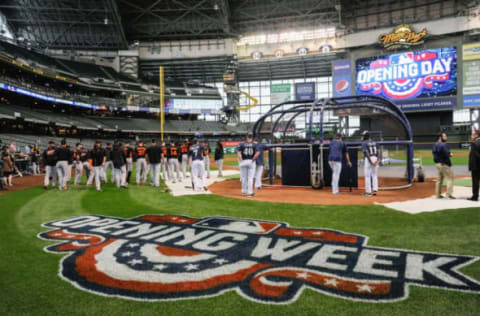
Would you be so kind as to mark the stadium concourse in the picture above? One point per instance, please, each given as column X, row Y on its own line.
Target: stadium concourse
column 254, row 157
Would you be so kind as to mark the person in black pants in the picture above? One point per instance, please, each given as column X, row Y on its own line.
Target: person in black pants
column 474, row 164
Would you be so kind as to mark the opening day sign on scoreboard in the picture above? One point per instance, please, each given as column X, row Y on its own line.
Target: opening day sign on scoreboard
column 414, row 80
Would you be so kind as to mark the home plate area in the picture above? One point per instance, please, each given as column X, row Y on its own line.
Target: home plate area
column 432, row 204
column 185, row 187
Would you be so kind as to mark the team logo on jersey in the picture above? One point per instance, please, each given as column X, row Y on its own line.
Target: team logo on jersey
column 409, row 75
column 153, row 257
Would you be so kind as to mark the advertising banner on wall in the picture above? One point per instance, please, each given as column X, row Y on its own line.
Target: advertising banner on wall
column 471, row 75
column 341, row 72
column 415, row 80
column 305, row 91
column 280, row 93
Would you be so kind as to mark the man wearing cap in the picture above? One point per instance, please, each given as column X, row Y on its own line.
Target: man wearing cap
column 247, row 154
column 154, row 157
column 50, row 162
column 108, row 165
column 184, row 149
column 371, row 161
column 197, row 167
column 97, row 161
column 441, row 157
column 474, row 164
column 119, row 161
column 63, row 155
column 259, row 163
column 338, row 150
column 140, row 152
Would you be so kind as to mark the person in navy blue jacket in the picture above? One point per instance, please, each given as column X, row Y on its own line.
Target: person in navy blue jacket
column 441, row 157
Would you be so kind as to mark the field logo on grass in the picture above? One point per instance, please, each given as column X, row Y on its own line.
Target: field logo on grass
column 166, row 257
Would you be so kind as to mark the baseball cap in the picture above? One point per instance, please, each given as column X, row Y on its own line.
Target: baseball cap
column 250, row 135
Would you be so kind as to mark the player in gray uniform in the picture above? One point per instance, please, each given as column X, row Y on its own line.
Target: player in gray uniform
column 259, row 163
column 173, row 152
column 247, row 154
column 50, row 162
column 197, row 167
column 108, row 165
column 372, row 158
column 63, row 155
column 338, row 149
column 140, row 152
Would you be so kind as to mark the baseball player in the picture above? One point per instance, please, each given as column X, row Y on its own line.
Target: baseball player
column 81, row 155
column 63, row 155
column 338, row 149
column 164, row 163
column 184, row 149
column 140, row 152
column 206, row 158
column 173, row 165
column 259, row 163
column 117, row 156
column 372, row 158
column 70, row 165
column 247, row 155
column 108, row 165
column 129, row 159
column 197, row 167
column 154, row 157
column 218, row 156
column 97, row 161
column 50, row 162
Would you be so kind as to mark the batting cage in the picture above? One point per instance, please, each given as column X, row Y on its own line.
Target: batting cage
column 299, row 134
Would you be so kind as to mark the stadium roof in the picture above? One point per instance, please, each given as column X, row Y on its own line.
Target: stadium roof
column 113, row 24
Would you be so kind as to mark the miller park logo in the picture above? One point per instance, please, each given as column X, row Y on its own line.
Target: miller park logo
column 402, row 36
column 164, row 257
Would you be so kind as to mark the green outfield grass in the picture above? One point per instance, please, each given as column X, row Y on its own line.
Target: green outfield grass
column 31, row 286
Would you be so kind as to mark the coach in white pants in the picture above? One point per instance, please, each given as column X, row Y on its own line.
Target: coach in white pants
column 338, row 150
column 247, row 154
column 372, row 159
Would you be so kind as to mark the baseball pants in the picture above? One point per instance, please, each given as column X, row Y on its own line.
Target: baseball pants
column 141, row 170
column 206, row 161
column 164, row 168
column 184, row 165
column 62, row 173
column 50, row 171
column 220, row 167
column 35, row 168
column 97, row 173
column 120, row 176
column 371, row 175
column 155, row 174
column 444, row 172
column 258, row 176
column 69, row 173
column 198, row 174
column 108, row 165
column 79, row 168
column 336, row 167
column 247, row 173
column 173, row 166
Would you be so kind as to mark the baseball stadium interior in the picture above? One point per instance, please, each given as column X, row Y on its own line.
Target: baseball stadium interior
column 254, row 105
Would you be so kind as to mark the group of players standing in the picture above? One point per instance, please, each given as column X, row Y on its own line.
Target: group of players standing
column 167, row 161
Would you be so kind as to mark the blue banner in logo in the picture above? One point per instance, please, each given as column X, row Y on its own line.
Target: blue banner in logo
column 342, row 85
